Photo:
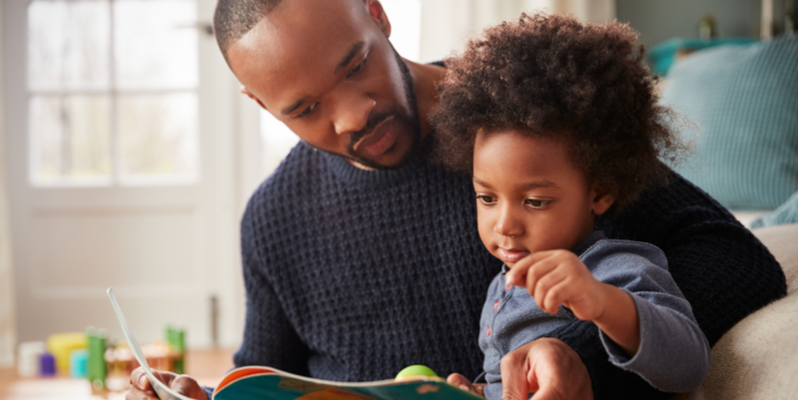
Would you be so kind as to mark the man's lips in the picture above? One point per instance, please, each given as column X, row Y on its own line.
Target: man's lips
column 511, row 255
column 379, row 140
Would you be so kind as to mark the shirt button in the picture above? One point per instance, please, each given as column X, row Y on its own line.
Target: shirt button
column 497, row 306
column 488, row 331
column 507, row 286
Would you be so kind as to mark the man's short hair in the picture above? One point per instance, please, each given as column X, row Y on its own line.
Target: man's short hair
column 234, row 18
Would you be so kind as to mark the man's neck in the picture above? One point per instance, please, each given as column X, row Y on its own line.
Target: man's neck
column 425, row 76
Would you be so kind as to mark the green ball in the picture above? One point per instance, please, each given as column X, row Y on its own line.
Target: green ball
column 416, row 370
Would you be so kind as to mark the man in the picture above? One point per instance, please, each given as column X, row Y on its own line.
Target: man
column 361, row 257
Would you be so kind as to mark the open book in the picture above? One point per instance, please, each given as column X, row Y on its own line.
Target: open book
column 261, row 383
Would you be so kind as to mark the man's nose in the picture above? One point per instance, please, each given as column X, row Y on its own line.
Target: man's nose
column 507, row 223
column 351, row 111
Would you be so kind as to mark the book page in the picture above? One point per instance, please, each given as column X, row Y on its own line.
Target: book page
column 163, row 391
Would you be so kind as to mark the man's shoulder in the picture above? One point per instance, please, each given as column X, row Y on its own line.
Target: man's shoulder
column 296, row 171
column 298, row 174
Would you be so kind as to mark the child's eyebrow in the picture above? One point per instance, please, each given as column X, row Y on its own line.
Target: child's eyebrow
column 539, row 184
column 527, row 185
column 480, row 182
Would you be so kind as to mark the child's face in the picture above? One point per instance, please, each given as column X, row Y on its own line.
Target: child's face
column 529, row 195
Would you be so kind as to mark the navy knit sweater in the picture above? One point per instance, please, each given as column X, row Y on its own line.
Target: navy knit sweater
column 352, row 275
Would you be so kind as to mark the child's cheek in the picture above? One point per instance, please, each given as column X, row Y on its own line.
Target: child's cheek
column 485, row 229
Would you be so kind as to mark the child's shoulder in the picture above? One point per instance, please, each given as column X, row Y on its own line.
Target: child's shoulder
column 620, row 252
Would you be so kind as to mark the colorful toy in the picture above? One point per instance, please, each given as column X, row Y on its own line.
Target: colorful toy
column 60, row 345
column 47, row 364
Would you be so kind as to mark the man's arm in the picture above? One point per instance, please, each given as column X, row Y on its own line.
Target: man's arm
column 269, row 337
column 721, row 268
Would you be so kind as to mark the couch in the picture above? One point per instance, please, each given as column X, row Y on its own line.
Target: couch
column 757, row 358
column 738, row 105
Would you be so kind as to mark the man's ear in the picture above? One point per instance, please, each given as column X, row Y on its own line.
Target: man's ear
column 602, row 199
column 377, row 13
column 246, row 92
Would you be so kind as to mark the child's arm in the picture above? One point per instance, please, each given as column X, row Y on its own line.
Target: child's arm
column 663, row 344
column 559, row 277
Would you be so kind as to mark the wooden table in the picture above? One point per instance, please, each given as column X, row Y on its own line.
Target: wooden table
column 206, row 365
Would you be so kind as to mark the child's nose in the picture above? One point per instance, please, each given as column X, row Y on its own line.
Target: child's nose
column 508, row 223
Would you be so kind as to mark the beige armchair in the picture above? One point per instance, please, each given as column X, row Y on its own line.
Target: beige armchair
column 757, row 358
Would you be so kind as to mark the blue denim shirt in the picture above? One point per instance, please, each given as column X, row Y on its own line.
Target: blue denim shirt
column 673, row 353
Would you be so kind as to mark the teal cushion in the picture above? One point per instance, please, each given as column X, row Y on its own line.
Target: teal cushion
column 785, row 214
column 742, row 103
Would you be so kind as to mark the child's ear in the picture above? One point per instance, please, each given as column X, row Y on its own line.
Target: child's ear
column 602, row 199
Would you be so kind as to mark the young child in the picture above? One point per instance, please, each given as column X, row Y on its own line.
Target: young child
column 558, row 123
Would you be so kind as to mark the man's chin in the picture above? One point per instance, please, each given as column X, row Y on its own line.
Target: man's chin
column 388, row 164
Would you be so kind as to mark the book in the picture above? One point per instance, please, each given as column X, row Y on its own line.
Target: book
column 262, row 383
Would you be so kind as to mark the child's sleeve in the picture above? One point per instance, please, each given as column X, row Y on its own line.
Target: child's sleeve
column 673, row 355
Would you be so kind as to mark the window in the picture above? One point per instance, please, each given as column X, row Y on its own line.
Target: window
column 112, row 92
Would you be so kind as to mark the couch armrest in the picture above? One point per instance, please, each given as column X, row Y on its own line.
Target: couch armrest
column 757, row 358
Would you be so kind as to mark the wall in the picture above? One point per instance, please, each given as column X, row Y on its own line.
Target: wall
column 7, row 319
column 447, row 24
column 658, row 20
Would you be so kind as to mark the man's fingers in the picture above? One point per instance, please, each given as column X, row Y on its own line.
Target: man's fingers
column 188, row 387
column 139, row 379
column 513, row 371
column 549, row 393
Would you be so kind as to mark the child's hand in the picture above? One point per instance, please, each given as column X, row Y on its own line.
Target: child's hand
column 557, row 277
column 461, row 382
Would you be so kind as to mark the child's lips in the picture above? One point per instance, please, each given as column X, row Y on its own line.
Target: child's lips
column 511, row 255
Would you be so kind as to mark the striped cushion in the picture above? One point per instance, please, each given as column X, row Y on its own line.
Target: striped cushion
column 742, row 100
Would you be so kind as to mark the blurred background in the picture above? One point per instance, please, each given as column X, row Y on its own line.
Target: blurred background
column 128, row 153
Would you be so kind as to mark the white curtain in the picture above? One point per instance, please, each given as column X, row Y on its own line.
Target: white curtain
column 447, row 24
column 7, row 319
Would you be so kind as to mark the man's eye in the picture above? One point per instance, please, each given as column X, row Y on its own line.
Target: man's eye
column 485, row 199
column 534, row 203
column 357, row 69
column 307, row 111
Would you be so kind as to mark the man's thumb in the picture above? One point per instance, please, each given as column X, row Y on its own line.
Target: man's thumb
column 514, row 376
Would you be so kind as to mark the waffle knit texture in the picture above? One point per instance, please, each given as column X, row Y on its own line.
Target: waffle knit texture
column 352, row 275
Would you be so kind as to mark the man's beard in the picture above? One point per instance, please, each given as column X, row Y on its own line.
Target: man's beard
column 378, row 116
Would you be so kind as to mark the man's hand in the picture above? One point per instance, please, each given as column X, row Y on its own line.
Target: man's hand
column 557, row 277
column 183, row 384
column 548, row 367
column 461, row 382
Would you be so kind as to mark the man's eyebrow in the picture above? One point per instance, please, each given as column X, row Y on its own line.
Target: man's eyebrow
column 350, row 54
column 291, row 108
column 343, row 63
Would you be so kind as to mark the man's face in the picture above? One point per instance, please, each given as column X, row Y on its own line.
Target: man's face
column 326, row 69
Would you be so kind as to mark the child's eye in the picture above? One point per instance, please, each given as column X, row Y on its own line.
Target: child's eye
column 307, row 111
column 358, row 68
column 534, row 203
column 488, row 200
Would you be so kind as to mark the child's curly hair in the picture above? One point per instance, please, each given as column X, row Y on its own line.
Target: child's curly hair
column 551, row 76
